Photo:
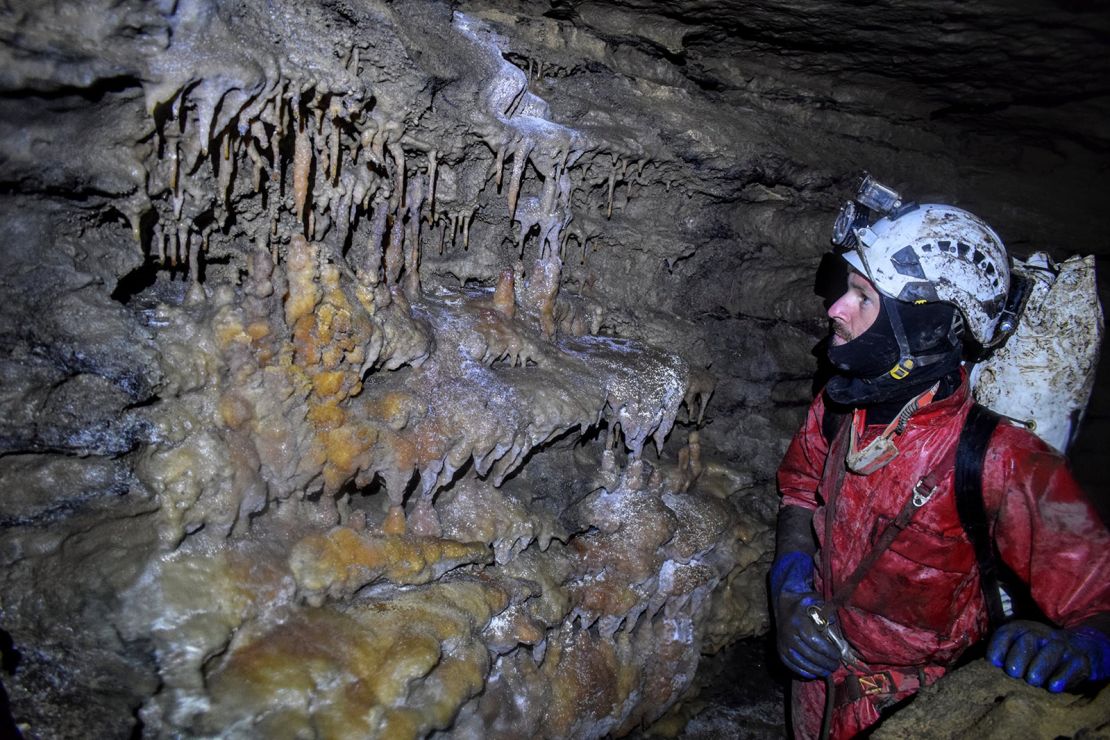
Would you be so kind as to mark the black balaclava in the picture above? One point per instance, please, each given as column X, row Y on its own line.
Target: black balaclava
column 863, row 379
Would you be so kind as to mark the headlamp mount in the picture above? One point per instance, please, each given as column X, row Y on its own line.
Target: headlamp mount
column 872, row 199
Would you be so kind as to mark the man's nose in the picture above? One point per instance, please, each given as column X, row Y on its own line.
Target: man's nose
column 839, row 309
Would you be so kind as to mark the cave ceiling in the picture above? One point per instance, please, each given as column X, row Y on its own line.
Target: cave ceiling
column 397, row 368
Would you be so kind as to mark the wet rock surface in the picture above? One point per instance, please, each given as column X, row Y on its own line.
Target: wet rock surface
column 416, row 368
column 979, row 700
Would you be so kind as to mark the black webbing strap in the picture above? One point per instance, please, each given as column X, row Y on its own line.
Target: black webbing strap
column 970, row 454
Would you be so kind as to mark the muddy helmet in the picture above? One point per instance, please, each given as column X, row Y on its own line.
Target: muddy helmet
column 929, row 252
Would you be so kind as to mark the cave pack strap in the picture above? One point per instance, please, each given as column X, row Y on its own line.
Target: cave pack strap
column 996, row 579
column 972, row 451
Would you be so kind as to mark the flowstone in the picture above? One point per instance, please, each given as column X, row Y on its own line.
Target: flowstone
column 296, row 595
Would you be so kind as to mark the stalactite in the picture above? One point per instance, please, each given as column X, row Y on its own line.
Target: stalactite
column 520, row 159
column 612, row 184
column 334, row 151
column 433, row 156
column 377, row 146
column 178, row 203
column 256, row 159
column 415, row 197
column 226, row 179
column 302, row 166
column 499, row 165
column 175, row 169
column 398, row 154
column 175, row 255
column 341, row 213
column 394, row 251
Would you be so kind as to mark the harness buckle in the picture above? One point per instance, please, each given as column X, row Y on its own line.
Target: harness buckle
column 902, row 369
column 922, row 492
column 876, row 683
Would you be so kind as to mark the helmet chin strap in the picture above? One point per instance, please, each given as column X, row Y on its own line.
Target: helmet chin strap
column 906, row 359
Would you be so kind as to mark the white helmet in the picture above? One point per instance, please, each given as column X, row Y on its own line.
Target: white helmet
column 932, row 252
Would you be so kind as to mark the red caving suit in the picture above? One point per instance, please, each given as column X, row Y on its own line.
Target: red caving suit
column 920, row 605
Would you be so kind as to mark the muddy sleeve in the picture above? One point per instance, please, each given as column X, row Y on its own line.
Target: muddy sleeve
column 1047, row 530
column 800, row 471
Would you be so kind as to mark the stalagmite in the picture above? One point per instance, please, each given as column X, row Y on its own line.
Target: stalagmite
column 194, row 272
column 504, row 295
column 543, row 286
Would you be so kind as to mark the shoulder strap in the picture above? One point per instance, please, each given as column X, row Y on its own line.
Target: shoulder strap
column 832, row 478
column 970, row 455
column 995, row 578
column 830, row 423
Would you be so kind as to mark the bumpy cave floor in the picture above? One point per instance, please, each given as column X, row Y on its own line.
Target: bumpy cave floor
column 746, row 696
column 743, row 697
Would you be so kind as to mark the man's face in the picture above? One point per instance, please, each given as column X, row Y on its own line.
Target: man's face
column 855, row 311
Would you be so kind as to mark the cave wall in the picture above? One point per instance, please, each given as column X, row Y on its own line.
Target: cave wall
column 356, row 355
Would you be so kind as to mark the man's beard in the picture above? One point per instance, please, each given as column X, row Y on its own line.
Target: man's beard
column 838, row 329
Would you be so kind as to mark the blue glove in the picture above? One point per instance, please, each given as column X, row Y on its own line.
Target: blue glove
column 1048, row 657
column 803, row 647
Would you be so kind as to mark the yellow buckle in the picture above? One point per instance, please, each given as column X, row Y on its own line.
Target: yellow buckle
column 901, row 370
column 876, row 683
